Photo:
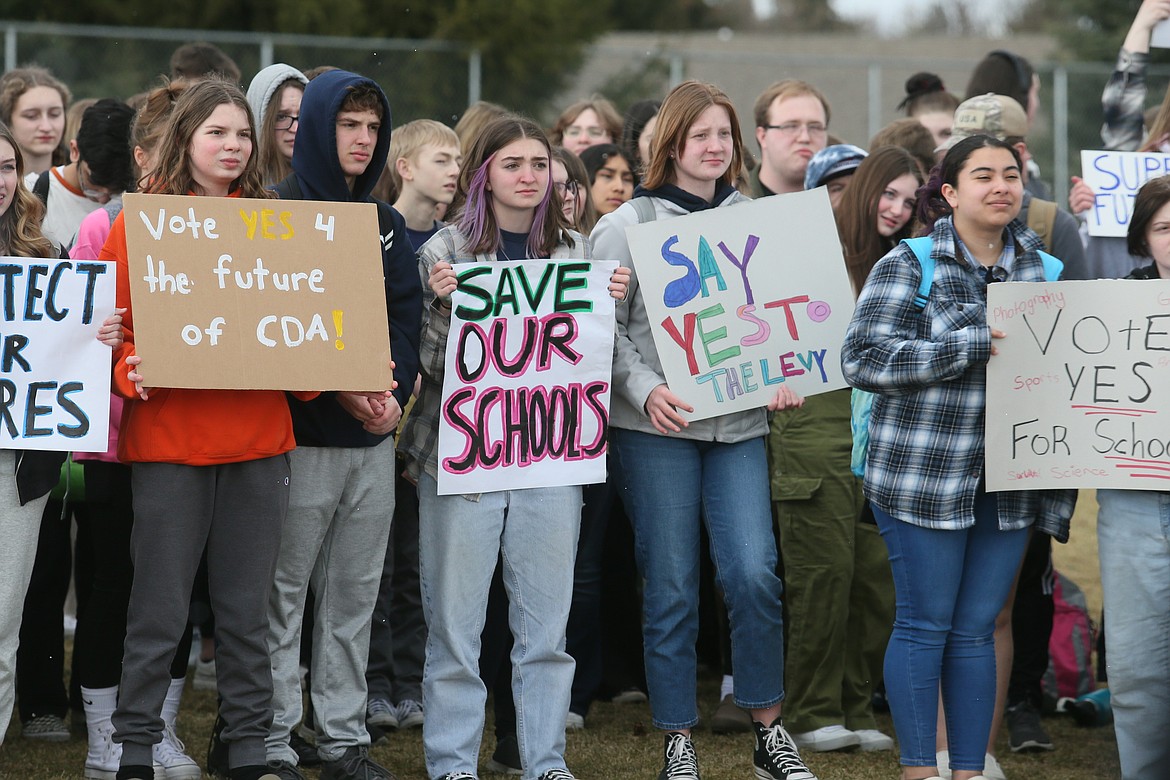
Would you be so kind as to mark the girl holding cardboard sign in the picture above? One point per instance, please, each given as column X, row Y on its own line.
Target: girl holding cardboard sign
column 672, row 469
column 505, row 209
column 954, row 548
column 209, row 469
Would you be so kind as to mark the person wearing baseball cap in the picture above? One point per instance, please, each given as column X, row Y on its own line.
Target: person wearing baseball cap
column 833, row 167
column 990, row 114
column 1004, row 118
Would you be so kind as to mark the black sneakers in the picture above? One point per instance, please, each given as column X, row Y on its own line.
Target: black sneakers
column 505, row 759
column 355, row 764
column 776, row 756
column 557, row 774
column 679, row 759
column 306, row 751
column 1025, row 732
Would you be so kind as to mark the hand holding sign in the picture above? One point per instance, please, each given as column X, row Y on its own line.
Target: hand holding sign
column 443, row 281
column 662, row 406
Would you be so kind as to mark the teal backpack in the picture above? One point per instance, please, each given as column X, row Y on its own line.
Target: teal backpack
column 861, row 401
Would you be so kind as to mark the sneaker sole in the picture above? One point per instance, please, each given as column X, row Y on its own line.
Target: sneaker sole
column 830, row 745
column 1032, row 746
column 412, row 722
column 501, row 769
column 94, row 773
column 383, row 721
column 629, row 697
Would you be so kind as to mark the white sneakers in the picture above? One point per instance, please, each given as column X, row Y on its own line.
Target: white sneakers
column 204, row 679
column 838, row 737
column 176, row 764
column 872, row 739
column 827, row 739
column 104, row 755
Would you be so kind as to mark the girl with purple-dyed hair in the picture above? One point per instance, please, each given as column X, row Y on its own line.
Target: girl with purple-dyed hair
column 504, row 210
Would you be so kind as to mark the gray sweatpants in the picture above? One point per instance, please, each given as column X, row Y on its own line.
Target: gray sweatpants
column 236, row 510
column 339, row 517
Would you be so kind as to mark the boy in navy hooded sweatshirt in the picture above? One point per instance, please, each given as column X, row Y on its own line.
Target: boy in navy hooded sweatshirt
column 342, row 494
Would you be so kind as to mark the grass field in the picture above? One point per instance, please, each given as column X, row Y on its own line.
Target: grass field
column 619, row 743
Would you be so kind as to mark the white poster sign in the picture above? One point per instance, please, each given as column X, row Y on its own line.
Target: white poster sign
column 527, row 380
column 54, row 373
column 1115, row 178
column 1077, row 396
column 742, row 299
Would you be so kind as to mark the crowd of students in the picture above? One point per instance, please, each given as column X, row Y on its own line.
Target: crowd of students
column 305, row 535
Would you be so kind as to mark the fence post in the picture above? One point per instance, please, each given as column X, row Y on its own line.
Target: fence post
column 677, row 68
column 9, row 47
column 875, row 99
column 474, row 76
column 1060, row 134
column 267, row 57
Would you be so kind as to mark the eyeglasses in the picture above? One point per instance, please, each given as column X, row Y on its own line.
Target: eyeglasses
column 285, row 121
column 566, row 187
column 793, row 128
column 574, row 131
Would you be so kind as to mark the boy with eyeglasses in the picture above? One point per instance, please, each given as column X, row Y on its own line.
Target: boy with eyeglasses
column 792, row 124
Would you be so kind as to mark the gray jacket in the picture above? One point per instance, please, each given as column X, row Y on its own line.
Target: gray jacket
column 637, row 369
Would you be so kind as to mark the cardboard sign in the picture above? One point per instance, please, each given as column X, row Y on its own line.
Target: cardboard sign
column 1115, row 178
column 251, row 294
column 745, row 298
column 527, row 383
column 1077, row 396
column 54, row 373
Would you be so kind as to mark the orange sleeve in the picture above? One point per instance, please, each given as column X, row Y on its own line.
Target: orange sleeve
column 114, row 251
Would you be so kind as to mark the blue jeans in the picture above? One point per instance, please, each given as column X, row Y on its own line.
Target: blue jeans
column 1133, row 535
column 666, row 483
column 535, row 532
column 949, row 585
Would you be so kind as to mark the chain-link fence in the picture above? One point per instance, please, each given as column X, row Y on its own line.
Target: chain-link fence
column 100, row 61
column 862, row 77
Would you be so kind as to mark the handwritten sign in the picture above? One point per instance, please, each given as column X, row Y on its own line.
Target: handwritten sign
column 1115, row 178
column 744, row 298
column 250, row 294
column 527, row 383
column 54, row 373
column 1077, row 396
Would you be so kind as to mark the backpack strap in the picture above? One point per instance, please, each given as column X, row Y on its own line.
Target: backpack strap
column 921, row 247
column 644, row 209
column 1042, row 219
column 41, row 187
column 1053, row 267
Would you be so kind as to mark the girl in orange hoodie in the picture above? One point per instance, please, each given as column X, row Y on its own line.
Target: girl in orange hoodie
column 209, row 469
